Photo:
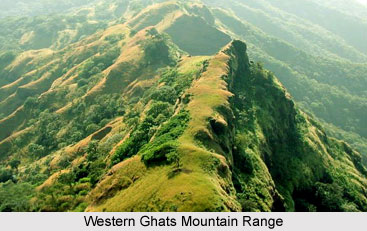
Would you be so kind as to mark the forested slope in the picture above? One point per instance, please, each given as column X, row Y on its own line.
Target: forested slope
column 156, row 106
column 318, row 65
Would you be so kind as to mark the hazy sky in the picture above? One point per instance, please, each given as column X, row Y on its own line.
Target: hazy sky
column 363, row 1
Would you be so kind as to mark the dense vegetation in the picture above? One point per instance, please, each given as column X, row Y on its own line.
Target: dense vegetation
column 128, row 105
column 286, row 132
column 326, row 81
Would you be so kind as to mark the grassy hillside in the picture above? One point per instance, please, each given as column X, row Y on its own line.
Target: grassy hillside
column 33, row 8
column 152, row 106
column 239, row 128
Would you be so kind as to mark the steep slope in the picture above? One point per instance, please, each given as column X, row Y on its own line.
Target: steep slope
column 60, row 23
column 304, row 24
column 143, row 117
column 239, row 151
column 301, row 159
column 352, row 29
column 89, row 93
column 37, row 7
column 313, row 62
column 324, row 84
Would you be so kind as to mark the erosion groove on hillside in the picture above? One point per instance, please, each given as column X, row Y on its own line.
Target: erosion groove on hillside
column 149, row 106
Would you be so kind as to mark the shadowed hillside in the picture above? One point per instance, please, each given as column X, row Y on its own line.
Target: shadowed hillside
column 156, row 106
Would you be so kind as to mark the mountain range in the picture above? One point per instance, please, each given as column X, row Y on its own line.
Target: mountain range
column 138, row 105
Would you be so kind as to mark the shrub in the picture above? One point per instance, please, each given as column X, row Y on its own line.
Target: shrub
column 82, row 82
column 5, row 175
column 164, row 147
column 159, row 108
column 164, row 94
column 15, row 197
column 36, row 150
column 156, row 50
column 30, row 102
column 92, row 128
column 329, row 197
column 14, row 163
column 114, row 38
column 130, row 147
column 179, row 82
column 144, row 131
column 162, row 153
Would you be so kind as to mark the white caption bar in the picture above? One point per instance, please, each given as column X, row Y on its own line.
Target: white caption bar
column 183, row 221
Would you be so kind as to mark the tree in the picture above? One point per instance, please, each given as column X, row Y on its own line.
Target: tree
column 36, row 150
column 92, row 128
column 329, row 197
column 165, row 94
column 156, row 51
column 92, row 150
column 5, row 175
column 175, row 158
column 30, row 103
column 15, row 197
column 68, row 179
column 14, row 164
column 159, row 108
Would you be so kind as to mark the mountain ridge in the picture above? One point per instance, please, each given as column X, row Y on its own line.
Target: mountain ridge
column 142, row 117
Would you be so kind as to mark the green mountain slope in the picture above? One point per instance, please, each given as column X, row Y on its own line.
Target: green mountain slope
column 153, row 107
column 280, row 159
column 352, row 29
column 322, row 82
column 33, row 8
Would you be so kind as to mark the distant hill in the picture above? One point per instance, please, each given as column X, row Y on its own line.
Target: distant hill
column 163, row 106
